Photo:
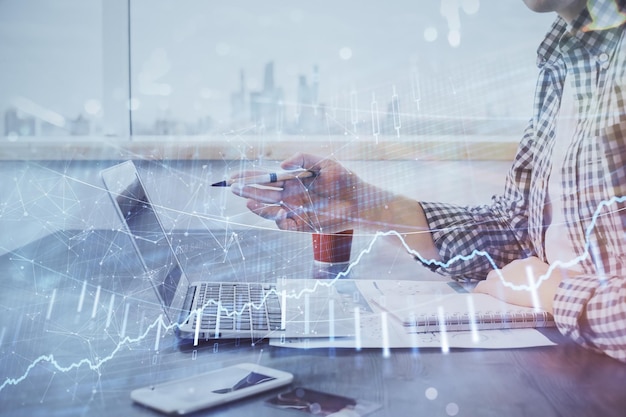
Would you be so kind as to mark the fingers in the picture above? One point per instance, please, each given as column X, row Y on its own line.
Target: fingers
column 270, row 212
column 296, row 161
column 263, row 195
column 303, row 160
column 285, row 220
column 246, row 174
column 289, row 223
column 297, row 205
column 482, row 287
column 488, row 285
column 494, row 286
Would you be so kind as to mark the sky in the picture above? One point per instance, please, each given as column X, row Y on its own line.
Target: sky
column 186, row 56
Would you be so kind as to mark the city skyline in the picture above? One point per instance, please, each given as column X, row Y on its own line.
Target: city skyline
column 186, row 61
column 267, row 110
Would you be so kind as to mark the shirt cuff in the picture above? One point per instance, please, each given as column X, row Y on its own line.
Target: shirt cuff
column 570, row 304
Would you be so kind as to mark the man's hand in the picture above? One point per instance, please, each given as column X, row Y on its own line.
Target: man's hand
column 525, row 275
column 327, row 202
column 336, row 199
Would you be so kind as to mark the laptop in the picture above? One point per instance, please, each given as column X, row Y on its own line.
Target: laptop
column 201, row 309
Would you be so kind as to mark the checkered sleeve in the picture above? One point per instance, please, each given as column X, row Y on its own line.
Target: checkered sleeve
column 473, row 240
column 470, row 240
column 593, row 313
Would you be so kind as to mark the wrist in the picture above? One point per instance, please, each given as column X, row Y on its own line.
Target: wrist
column 376, row 208
column 549, row 288
column 383, row 211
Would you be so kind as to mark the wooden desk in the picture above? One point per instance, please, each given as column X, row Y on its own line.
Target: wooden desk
column 68, row 302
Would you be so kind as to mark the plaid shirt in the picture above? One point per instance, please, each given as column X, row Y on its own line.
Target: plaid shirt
column 590, row 308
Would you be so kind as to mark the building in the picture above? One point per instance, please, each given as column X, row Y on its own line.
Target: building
column 267, row 106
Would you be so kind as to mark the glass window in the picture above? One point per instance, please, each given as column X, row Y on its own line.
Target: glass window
column 342, row 68
column 52, row 68
column 148, row 68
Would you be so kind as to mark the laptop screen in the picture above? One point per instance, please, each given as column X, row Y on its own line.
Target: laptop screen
column 146, row 231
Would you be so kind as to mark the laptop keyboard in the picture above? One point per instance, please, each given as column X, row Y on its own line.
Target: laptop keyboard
column 245, row 307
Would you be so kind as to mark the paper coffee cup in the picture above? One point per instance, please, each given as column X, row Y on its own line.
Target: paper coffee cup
column 332, row 248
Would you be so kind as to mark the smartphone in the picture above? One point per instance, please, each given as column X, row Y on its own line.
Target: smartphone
column 210, row 389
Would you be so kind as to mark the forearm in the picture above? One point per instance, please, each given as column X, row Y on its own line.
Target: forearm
column 383, row 211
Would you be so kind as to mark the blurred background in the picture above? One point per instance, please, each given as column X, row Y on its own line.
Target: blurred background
column 124, row 68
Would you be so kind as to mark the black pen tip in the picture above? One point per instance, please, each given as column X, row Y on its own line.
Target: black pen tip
column 219, row 184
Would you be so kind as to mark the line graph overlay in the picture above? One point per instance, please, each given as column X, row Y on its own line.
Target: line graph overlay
column 159, row 324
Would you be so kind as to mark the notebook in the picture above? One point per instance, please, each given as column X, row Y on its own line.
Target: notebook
column 432, row 314
column 423, row 313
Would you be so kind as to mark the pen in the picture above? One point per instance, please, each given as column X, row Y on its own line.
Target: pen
column 267, row 178
column 377, row 288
